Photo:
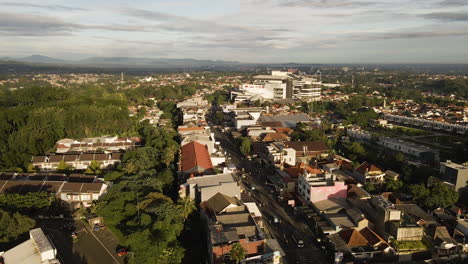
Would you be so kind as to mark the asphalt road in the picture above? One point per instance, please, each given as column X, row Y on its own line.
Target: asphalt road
column 270, row 206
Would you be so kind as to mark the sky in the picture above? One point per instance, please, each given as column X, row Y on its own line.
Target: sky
column 257, row 31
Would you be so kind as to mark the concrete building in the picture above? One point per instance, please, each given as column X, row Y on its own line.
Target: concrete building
column 313, row 185
column 419, row 152
column 38, row 249
column 454, row 174
column 308, row 89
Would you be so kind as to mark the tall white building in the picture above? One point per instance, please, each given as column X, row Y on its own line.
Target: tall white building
column 279, row 85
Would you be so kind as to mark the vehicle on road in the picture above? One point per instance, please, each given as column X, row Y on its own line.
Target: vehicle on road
column 122, row 252
column 299, row 242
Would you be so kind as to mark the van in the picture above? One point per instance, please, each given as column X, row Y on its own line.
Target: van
column 299, row 242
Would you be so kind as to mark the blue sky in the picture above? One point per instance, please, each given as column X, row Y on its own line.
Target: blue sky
column 309, row 31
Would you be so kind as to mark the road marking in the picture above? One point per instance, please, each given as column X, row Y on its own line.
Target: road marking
column 104, row 247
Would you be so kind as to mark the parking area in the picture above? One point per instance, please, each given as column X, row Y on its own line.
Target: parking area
column 89, row 247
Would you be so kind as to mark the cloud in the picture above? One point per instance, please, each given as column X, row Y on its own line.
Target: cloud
column 36, row 25
column 411, row 33
column 47, row 7
column 447, row 16
column 453, row 3
column 325, row 3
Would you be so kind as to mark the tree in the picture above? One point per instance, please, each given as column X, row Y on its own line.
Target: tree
column 420, row 193
column 237, row 253
column 94, row 168
column 441, row 196
column 393, row 186
column 13, row 225
column 25, row 202
column 187, row 206
column 245, row 145
column 63, row 167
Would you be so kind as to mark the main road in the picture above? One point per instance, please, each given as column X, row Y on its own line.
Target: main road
column 266, row 197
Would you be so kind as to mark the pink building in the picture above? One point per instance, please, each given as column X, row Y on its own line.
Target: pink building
column 315, row 185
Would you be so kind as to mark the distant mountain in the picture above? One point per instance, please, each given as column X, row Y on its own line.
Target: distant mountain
column 150, row 62
column 40, row 59
column 129, row 62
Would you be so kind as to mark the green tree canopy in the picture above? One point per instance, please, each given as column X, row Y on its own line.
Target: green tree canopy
column 13, row 225
column 237, row 253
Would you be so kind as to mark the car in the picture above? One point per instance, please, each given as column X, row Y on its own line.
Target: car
column 122, row 252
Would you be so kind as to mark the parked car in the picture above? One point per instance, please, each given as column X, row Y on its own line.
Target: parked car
column 122, row 252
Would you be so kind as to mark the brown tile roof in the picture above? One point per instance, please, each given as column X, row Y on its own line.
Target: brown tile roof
column 38, row 158
column 285, row 130
column 353, row 238
column 195, row 155
column 56, row 158
column 371, row 237
column 275, row 136
column 72, row 187
column 91, row 187
column 294, row 171
column 273, row 124
column 368, row 167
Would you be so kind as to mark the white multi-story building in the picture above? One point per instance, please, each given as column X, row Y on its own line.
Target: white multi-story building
column 308, row 89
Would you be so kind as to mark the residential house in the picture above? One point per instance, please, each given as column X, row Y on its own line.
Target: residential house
column 195, row 160
column 368, row 173
column 203, row 188
column 78, row 161
column 306, row 150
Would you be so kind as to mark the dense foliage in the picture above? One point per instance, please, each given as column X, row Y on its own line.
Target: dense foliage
column 139, row 209
column 33, row 118
column 13, row 225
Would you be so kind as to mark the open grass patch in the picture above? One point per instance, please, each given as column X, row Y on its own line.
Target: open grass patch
column 418, row 245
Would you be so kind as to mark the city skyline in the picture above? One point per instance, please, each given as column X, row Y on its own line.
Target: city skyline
column 263, row 31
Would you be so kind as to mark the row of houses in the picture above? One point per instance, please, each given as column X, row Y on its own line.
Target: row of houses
column 76, row 161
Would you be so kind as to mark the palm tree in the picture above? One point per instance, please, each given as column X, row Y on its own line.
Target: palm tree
column 187, row 206
column 237, row 253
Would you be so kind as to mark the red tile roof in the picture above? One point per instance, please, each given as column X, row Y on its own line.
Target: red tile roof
column 195, row 155
column 368, row 167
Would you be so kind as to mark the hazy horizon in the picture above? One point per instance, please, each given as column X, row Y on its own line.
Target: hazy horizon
column 247, row 31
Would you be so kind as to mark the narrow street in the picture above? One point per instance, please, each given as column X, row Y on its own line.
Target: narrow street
column 266, row 197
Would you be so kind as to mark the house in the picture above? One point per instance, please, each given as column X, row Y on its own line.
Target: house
column 203, row 188
column 77, row 194
column 107, row 144
column 454, row 174
column 305, row 150
column 368, row 173
column 74, row 193
column 391, row 175
column 278, row 153
column 363, row 244
column 228, row 222
column 76, row 161
column 38, row 249
column 195, row 160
